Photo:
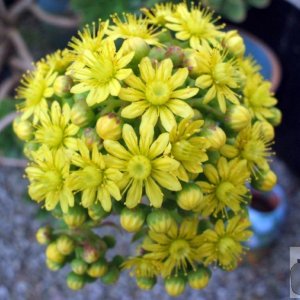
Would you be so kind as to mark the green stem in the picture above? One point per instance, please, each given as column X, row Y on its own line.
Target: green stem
column 110, row 106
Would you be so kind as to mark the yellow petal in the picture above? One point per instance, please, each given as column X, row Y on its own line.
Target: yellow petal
column 180, row 108
column 166, row 164
column 179, row 78
column 146, row 69
column 134, row 110
column 164, row 70
column 134, row 194
column 154, row 193
column 159, row 145
column 131, row 94
column 166, row 180
column 211, row 173
column 116, row 149
column 130, row 139
column 185, row 93
column 149, row 119
column 167, row 118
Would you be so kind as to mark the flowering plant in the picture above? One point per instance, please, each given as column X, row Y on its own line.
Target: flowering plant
column 157, row 122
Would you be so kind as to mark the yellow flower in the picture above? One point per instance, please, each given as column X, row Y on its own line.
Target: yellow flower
column 100, row 73
column 188, row 148
column 157, row 15
column 254, row 147
column 57, row 61
column 55, row 130
column 258, row 97
column 36, row 88
column 218, row 75
column 195, row 25
column 94, row 179
column 142, row 267
column 47, row 175
column 133, row 26
column 224, row 186
column 144, row 165
column 156, row 94
column 223, row 243
column 177, row 248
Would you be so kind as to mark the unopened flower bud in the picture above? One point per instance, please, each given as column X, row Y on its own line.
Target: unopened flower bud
column 175, row 285
column 132, row 220
column 265, row 181
column 79, row 266
column 93, row 251
column 139, row 46
column 109, row 127
column 96, row 212
column 98, row 268
column 157, row 54
column 81, row 114
column 190, row 197
column 146, row 283
column 111, row 276
column 75, row 216
column 65, row 245
column 53, row 266
column 191, row 62
column 234, row 43
column 229, row 151
column 23, row 129
column 238, row 117
column 175, row 53
column 29, row 148
column 62, row 85
column 90, row 137
column 215, row 136
column 276, row 117
column 75, row 282
column 266, row 130
column 199, row 279
column 160, row 220
column 43, row 235
column 53, row 254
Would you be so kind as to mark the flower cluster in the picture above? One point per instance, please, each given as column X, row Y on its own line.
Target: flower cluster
column 161, row 120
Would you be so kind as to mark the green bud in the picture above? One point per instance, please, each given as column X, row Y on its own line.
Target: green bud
column 238, row 117
column 264, row 181
column 175, row 285
column 111, row 276
column 62, row 85
column 90, row 137
column 216, row 136
column 98, row 268
column 160, row 220
column 65, row 245
column 81, row 114
column 199, row 279
column 23, row 129
column 75, row 282
column 276, row 117
column 43, row 235
column 234, row 43
column 96, row 212
column 139, row 46
column 132, row 220
column 75, row 216
column 93, row 251
column 53, row 266
column 79, row 266
column 29, row 148
column 266, row 130
column 118, row 260
column 53, row 254
column 175, row 53
column 146, row 283
column 190, row 197
column 157, row 54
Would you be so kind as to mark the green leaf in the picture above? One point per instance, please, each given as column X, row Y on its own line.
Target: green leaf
column 234, row 10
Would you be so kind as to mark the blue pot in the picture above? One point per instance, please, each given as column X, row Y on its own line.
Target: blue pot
column 266, row 223
column 54, row 6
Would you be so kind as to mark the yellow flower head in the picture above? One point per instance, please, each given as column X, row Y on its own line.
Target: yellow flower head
column 258, row 97
column 36, row 88
column 47, row 175
column 133, row 26
column 144, row 165
column 143, row 267
column 177, row 249
column 223, row 243
column 158, row 14
column 224, row 187
column 195, row 25
column 155, row 94
column 188, row 148
column 99, row 73
column 55, row 130
column 218, row 75
column 94, row 179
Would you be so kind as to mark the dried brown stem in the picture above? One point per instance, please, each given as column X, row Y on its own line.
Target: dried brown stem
column 18, row 8
column 13, row 162
column 5, row 121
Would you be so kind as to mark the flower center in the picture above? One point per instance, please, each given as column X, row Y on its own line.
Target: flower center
column 139, row 167
column 53, row 180
column 53, row 136
column 182, row 150
column 158, row 93
column 92, row 177
column 254, row 151
column 224, row 191
column 221, row 73
column 226, row 245
column 179, row 249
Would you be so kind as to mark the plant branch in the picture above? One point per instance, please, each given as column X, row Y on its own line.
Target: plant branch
column 7, row 85
column 4, row 122
column 13, row 162
column 18, row 8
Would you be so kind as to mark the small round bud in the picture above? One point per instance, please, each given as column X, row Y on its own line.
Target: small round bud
column 109, row 127
column 265, row 181
column 96, row 212
column 98, row 268
column 65, row 245
column 276, row 117
column 199, row 279
column 29, row 148
column 157, row 54
column 266, row 130
column 75, row 216
column 234, row 42
column 238, row 117
column 111, row 276
column 53, row 266
column 62, row 85
column 160, row 220
column 90, row 137
column 43, row 235
column 190, row 197
column 75, row 282
column 146, row 283
column 216, row 136
column 191, row 61
column 176, row 54
column 93, row 251
column 23, row 129
column 132, row 220
column 139, row 46
column 79, row 266
column 81, row 114
column 53, row 254
column 175, row 285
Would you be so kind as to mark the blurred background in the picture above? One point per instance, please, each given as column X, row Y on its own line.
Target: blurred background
column 31, row 29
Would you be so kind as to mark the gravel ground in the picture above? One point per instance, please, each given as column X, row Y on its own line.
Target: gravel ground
column 23, row 274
